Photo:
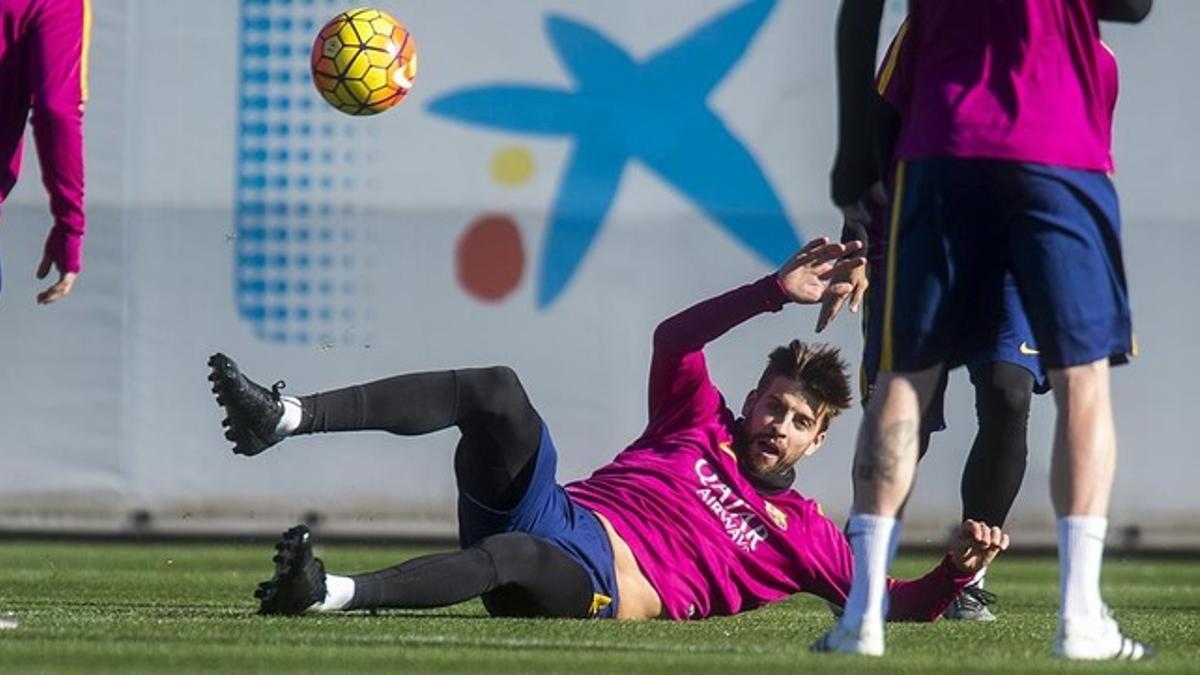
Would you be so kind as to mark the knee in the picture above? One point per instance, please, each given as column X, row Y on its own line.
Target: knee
column 501, row 379
column 1014, row 400
column 495, row 388
column 1005, row 396
column 498, row 380
column 1083, row 377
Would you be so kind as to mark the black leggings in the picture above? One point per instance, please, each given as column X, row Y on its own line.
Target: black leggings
column 500, row 429
column 516, row 574
column 996, row 466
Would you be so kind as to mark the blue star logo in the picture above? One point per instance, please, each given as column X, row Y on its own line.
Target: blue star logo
column 654, row 111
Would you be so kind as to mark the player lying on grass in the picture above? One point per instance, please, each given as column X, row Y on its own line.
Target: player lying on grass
column 695, row 518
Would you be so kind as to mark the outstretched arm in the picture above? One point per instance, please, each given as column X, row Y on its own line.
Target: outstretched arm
column 680, row 390
column 59, row 42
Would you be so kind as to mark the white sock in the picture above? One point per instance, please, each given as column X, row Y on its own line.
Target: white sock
column 873, row 540
column 1080, row 552
column 290, row 420
column 339, row 591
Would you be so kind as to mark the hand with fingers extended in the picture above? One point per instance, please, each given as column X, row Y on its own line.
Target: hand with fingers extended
column 856, row 277
column 60, row 289
column 856, row 223
column 976, row 545
column 808, row 276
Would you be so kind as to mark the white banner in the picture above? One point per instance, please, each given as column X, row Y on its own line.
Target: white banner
column 563, row 176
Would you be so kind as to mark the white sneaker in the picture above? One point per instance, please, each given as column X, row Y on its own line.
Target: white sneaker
column 865, row 639
column 1097, row 640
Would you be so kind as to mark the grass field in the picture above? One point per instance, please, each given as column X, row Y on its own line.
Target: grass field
column 121, row 608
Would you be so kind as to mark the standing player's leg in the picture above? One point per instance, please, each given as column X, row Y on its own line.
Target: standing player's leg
column 494, row 464
column 995, row 466
column 1066, row 255
column 1005, row 377
column 924, row 305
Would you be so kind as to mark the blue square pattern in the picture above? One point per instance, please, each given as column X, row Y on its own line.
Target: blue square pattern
column 297, row 273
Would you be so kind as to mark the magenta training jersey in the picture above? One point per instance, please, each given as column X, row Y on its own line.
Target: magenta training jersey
column 894, row 84
column 704, row 537
column 1018, row 80
column 43, row 67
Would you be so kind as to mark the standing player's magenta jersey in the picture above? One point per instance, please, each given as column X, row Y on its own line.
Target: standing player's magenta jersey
column 894, row 84
column 707, row 540
column 43, row 67
column 1016, row 80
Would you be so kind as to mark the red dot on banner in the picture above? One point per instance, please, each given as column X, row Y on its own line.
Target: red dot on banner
column 490, row 258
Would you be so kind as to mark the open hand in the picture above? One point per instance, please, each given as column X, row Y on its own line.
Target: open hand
column 809, row 276
column 60, row 289
column 832, row 304
column 976, row 545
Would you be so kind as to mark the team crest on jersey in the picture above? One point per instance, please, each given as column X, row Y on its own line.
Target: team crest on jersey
column 777, row 516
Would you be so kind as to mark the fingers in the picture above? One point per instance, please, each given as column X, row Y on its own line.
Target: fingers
column 830, row 307
column 843, row 267
column 978, row 532
column 801, row 257
column 43, row 267
column 59, row 290
column 813, row 244
column 52, row 294
column 986, row 536
column 829, row 252
column 858, row 293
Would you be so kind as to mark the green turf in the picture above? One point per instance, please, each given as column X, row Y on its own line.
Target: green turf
column 91, row 608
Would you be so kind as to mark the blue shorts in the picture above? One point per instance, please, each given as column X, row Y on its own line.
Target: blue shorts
column 1012, row 343
column 546, row 511
column 961, row 225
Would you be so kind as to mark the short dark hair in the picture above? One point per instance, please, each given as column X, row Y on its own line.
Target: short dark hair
column 820, row 372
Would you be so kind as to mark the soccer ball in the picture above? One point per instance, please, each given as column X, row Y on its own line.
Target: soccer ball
column 363, row 61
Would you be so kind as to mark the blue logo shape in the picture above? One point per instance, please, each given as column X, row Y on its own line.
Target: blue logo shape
column 654, row 111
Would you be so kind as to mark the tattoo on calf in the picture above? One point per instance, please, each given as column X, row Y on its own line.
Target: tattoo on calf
column 879, row 456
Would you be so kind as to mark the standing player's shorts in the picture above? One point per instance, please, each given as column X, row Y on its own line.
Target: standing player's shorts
column 959, row 225
column 1012, row 343
column 547, row 511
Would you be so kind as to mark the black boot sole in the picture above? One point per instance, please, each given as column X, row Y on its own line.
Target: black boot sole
column 280, row 595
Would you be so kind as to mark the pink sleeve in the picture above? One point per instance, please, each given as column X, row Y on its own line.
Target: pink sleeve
column 681, row 393
column 58, row 41
column 831, row 568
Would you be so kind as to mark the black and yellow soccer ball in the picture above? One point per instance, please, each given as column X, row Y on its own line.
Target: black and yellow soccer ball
column 364, row 61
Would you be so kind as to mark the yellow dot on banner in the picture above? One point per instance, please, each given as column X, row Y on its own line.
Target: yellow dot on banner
column 512, row 166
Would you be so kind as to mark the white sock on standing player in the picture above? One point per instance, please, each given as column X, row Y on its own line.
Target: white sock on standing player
column 290, row 420
column 873, row 540
column 339, row 591
column 1080, row 553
